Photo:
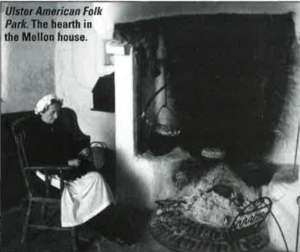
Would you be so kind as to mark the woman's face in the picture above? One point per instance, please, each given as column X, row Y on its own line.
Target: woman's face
column 51, row 114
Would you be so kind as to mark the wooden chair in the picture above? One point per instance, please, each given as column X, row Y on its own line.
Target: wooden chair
column 44, row 200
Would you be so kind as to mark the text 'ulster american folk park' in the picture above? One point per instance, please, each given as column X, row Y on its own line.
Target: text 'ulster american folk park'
column 41, row 24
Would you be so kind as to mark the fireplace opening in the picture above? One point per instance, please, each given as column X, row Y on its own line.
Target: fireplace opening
column 224, row 77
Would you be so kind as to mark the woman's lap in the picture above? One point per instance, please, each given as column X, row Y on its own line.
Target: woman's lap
column 39, row 186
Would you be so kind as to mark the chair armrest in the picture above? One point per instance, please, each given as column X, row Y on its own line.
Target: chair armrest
column 49, row 168
column 60, row 169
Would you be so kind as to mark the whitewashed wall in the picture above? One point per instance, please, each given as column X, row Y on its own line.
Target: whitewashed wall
column 27, row 68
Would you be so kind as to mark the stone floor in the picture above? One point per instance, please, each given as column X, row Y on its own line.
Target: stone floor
column 132, row 235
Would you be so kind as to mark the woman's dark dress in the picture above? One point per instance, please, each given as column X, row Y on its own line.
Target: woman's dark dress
column 81, row 199
column 51, row 144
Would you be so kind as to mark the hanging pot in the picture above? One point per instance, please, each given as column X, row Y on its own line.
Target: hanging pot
column 164, row 137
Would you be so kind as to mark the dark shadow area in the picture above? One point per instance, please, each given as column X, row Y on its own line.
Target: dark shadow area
column 118, row 229
column 230, row 75
column 104, row 94
column 11, row 193
column 124, row 221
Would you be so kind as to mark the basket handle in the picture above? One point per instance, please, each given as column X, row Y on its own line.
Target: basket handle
column 98, row 144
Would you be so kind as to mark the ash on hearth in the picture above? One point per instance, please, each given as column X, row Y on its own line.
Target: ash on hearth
column 217, row 197
column 201, row 216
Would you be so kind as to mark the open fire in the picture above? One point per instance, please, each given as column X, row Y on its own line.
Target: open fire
column 214, row 210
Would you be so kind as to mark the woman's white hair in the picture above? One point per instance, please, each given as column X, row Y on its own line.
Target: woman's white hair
column 43, row 104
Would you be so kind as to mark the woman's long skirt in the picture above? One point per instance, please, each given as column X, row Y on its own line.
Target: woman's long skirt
column 83, row 198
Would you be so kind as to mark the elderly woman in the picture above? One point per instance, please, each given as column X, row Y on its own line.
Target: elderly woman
column 86, row 192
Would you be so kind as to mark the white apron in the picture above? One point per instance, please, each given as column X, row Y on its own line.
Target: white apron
column 83, row 198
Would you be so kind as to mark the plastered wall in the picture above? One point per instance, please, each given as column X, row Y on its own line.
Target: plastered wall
column 27, row 68
column 78, row 66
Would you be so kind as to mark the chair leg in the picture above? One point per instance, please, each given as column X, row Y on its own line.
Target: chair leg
column 43, row 212
column 26, row 222
column 74, row 240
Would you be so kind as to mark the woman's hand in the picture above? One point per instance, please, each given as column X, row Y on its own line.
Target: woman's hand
column 74, row 162
column 85, row 152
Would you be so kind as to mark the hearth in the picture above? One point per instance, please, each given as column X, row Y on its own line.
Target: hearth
column 215, row 212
